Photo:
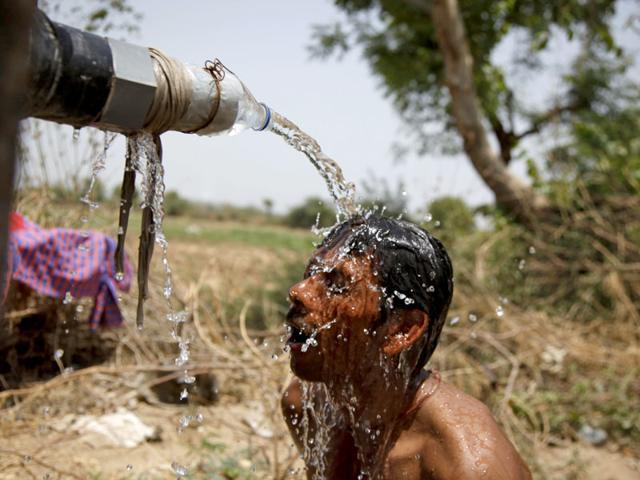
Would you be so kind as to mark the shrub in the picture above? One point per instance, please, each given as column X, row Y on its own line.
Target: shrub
column 311, row 210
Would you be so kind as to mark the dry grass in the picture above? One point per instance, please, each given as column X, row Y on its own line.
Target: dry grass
column 543, row 375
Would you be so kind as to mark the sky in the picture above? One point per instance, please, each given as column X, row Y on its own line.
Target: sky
column 339, row 103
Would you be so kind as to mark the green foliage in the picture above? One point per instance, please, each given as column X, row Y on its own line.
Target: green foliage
column 602, row 402
column 602, row 155
column 174, row 204
column 220, row 466
column 195, row 229
column 399, row 42
column 98, row 16
column 454, row 217
column 313, row 211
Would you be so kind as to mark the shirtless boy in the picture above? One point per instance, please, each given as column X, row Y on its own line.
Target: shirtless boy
column 363, row 323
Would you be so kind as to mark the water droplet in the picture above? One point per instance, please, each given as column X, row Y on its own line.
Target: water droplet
column 473, row 318
column 521, row 264
column 454, row 321
column 79, row 308
column 532, row 250
column 199, row 417
column 119, row 276
column 68, row 298
column 184, row 394
column 428, row 217
column 58, row 354
column 274, row 357
column 179, row 470
column 436, row 223
column 431, row 289
column 499, row 311
column 188, row 379
column 76, row 134
column 184, row 421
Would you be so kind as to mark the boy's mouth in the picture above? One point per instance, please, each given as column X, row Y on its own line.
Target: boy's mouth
column 297, row 337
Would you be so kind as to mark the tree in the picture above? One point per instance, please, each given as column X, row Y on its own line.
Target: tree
column 267, row 203
column 434, row 58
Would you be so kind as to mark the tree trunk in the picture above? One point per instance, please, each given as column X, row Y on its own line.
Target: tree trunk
column 15, row 19
column 511, row 194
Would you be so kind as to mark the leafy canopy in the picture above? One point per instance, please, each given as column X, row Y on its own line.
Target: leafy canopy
column 399, row 42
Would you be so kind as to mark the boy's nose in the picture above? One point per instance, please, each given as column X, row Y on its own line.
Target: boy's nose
column 302, row 293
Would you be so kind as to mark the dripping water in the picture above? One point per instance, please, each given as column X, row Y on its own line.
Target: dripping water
column 97, row 165
column 146, row 159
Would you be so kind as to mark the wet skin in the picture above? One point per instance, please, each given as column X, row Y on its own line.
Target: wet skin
column 447, row 434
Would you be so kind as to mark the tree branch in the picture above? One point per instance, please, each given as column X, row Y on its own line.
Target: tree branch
column 511, row 193
column 554, row 114
column 506, row 139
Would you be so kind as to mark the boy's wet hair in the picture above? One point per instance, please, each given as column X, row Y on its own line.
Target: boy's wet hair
column 413, row 268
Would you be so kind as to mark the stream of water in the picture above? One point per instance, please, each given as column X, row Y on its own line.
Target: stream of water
column 342, row 191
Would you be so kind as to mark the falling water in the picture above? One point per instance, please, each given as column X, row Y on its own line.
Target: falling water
column 343, row 192
column 152, row 187
column 97, row 165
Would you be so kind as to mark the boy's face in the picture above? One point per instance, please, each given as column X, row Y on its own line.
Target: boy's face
column 333, row 310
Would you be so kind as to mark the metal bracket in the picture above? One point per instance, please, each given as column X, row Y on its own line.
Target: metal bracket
column 133, row 88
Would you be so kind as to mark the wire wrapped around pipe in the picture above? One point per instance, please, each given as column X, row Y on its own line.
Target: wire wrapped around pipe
column 173, row 93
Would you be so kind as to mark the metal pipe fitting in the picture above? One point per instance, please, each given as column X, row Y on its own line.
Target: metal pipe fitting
column 82, row 79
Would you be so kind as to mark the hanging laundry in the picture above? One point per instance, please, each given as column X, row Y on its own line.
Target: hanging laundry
column 64, row 262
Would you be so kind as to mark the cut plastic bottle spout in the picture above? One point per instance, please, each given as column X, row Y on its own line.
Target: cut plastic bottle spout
column 250, row 114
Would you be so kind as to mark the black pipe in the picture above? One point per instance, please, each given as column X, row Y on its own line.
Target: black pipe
column 71, row 73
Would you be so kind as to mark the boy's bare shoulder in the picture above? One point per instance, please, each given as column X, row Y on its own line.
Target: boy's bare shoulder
column 462, row 429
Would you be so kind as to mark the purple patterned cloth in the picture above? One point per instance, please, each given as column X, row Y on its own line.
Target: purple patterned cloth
column 59, row 260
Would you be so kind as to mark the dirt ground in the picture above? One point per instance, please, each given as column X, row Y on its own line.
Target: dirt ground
column 239, row 437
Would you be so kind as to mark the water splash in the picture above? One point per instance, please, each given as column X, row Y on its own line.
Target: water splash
column 179, row 470
column 343, row 192
column 337, row 406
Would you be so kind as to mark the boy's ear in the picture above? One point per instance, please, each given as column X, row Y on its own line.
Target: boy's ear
column 405, row 327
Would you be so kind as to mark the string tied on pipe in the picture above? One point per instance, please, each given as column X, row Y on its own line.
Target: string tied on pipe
column 173, row 93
